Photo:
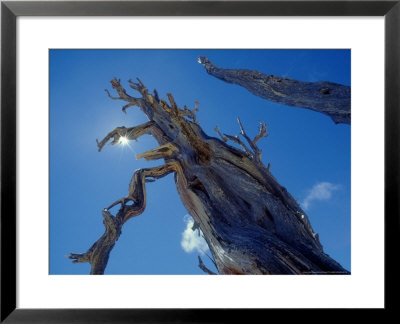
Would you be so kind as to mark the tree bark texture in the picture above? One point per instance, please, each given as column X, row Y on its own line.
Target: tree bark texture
column 251, row 223
column 328, row 98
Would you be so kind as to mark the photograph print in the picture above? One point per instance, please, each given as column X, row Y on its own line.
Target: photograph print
column 200, row 161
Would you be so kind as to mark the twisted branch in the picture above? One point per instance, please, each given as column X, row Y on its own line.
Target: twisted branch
column 132, row 101
column 153, row 99
column 98, row 254
column 137, row 189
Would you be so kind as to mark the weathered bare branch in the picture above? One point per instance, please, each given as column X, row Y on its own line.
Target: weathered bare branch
column 163, row 151
column 137, row 189
column 116, row 84
column 262, row 133
column 204, row 268
column 175, row 110
column 244, row 134
column 131, row 133
column 99, row 252
column 238, row 141
column 110, row 96
column 328, row 98
column 124, row 108
column 172, row 102
column 194, row 111
column 186, row 112
column 256, row 154
column 223, row 138
column 134, row 85
column 256, row 150
column 138, row 86
column 132, row 101
column 142, row 86
column 164, row 105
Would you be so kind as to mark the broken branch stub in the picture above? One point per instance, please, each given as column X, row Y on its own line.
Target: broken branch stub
column 131, row 133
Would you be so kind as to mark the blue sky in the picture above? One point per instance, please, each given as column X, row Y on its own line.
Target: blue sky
column 309, row 154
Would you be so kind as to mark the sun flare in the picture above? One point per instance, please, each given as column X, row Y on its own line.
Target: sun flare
column 123, row 140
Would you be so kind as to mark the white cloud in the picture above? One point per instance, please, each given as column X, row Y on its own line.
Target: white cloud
column 191, row 240
column 320, row 191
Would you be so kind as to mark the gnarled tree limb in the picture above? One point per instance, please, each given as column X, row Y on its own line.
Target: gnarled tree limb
column 131, row 133
column 137, row 189
column 98, row 254
column 328, row 98
column 116, row 84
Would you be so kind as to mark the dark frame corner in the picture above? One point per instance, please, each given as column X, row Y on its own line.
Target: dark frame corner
column 10, row 10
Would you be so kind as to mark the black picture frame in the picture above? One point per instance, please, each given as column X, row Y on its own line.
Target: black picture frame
column 10, row 10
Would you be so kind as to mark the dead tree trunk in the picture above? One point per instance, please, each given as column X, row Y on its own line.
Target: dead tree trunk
column 250, row 222
column 328, row 98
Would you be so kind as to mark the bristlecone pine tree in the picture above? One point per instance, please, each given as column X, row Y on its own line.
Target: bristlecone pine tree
column 251, row 223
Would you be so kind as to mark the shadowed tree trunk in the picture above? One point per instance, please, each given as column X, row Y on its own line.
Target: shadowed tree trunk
column 328, row 98
column 250, row 222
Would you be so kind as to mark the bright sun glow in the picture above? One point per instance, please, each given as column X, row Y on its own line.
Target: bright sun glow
column 123, row 140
